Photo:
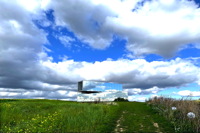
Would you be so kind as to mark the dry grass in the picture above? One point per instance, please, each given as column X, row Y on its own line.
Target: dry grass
column 182, row 123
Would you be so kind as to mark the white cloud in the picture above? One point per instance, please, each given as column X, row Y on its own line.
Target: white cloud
column 66, row 40
column 33, row 5
column 157, row 26
column 145, row 77
column 85, row 19
column 22, row 51
column 136, row 98
column 136, row 73
column 27, row 71
column 44, row 94
column 189, row 93
column 139, row 91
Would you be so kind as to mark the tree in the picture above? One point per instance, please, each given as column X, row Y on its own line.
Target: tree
column 119, row 99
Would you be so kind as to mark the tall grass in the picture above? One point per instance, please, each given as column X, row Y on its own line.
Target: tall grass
column 176, row 111
column 56, row 116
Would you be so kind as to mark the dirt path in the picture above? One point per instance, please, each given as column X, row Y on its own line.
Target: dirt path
column 119, row 128
column 139, row 118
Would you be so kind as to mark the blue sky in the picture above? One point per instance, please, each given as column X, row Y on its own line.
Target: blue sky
column 151, row 47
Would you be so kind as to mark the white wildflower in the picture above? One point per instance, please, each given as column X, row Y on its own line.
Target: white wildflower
column 190, row 115
column 174, row 108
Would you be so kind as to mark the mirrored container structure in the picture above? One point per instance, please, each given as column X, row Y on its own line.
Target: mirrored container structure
column 97, row 91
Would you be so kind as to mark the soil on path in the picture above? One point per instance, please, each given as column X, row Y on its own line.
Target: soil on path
column 138, row 117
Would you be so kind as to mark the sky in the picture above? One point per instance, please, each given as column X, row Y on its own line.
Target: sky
column 151, row 47
column 100, row 86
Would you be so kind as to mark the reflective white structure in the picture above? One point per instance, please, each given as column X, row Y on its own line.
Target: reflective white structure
column 91, row 91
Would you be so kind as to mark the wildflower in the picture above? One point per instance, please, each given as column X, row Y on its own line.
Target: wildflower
column 174, row 108
column 190, row 115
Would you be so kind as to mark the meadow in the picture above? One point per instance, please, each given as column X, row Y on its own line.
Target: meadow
column 55, row 116
column 158, row 114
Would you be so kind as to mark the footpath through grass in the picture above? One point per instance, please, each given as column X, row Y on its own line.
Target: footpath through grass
column 137, row 117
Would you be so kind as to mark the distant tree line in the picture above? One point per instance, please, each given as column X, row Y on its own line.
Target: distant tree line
column 119, row 99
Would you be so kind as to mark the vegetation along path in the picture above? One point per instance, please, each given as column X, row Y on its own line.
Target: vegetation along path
column 137, row 117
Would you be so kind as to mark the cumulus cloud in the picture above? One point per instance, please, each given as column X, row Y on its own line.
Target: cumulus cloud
column 44, row 94
column 138, row 91
column 155, row 26
column 189, row 93
column 159, row 27
column 136, row 73
column 26, row 71
column 85, row 19
column 22, row 51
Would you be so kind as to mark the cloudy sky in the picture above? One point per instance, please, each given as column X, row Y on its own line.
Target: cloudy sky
column 152, row 47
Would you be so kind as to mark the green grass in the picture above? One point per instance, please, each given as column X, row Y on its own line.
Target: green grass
column 55, row 116
column 64, row 116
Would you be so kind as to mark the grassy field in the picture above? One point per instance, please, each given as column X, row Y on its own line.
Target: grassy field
column 64, row 116
column 56, row 116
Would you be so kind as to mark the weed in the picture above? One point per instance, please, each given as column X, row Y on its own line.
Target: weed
column 184, row 113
